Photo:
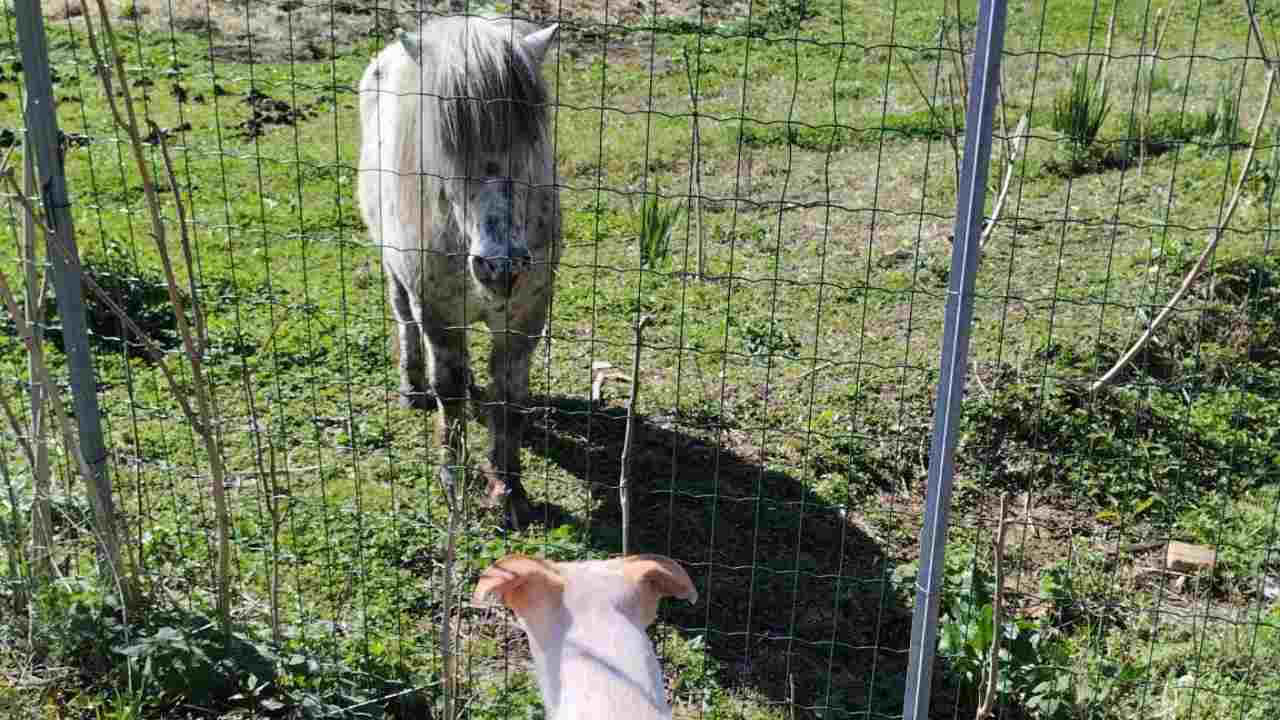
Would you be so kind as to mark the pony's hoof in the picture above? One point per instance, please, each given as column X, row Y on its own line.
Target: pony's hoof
column 510, row 498
column 415, row 400
column 518, row 513
column 446, row 478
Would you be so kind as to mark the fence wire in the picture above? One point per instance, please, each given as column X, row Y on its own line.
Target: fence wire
column 773, row 184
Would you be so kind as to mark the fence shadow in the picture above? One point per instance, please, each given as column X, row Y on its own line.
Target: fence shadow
column 794, row 600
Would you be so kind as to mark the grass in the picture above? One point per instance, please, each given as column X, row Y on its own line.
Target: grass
column 787, row 395
column 1078, row 113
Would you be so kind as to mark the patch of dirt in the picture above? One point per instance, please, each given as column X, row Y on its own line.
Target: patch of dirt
column 267, row 111
column 265, row 31
column 261, row 31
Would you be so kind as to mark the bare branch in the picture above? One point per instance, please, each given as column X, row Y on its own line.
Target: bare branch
column 202, row 330
column 1256, row 29
column 1011, row 164
column 624, row 481
column 695, row 178
column 15, row 424
column 1214, row 237
column 53, row 397
column 193, row 344
column 154, row 352
column 997, row 610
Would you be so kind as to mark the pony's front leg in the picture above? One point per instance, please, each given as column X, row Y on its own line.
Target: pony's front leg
column 413, row 377
column 447, row 350
column 508, row 404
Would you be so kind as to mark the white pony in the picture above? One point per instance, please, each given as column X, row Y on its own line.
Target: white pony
column 457, row 188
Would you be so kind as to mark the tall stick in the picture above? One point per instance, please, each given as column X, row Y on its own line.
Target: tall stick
column 107, row 543
column 16, row 560
column 1214, row 237
column 695, row 162
column 193, row 343
column 624, row 480
column 1014, row 151
column 997, row 609
column 41, row 505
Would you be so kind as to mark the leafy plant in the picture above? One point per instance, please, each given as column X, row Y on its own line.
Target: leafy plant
column 657, row 221
column 1078, row 112
column 1033, row 653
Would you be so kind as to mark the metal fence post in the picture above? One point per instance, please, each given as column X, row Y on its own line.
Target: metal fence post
column 44, row 142
column 970, row 203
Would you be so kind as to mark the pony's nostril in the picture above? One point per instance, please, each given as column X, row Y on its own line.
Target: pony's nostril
column 485, row 268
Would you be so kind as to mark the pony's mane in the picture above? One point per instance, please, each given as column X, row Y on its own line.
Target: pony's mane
column 489, row 97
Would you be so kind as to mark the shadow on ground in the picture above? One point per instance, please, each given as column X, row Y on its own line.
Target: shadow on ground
column 794, row 600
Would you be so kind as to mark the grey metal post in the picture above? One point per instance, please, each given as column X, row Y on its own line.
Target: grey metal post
column 43, row 140
column 979, row 118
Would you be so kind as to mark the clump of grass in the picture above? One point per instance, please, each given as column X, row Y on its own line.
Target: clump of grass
column 1220, row 124
column 1225, row 121
column 1078, row 112
column 657, row 221
column 1156, row 78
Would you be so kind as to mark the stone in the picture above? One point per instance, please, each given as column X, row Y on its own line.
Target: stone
column 1190, row 559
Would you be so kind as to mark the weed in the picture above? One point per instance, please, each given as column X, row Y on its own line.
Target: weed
column 657, row 222
column 1155, row 77
column 1080, row 111
column 1032, row 655
column 1226, row 114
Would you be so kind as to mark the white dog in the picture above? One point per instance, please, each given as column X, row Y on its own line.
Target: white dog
column 586, row 626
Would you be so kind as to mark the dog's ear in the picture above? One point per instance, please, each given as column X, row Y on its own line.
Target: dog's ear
column 412, row 43
column 537, row 43
column 656, row 577
column 522, row 583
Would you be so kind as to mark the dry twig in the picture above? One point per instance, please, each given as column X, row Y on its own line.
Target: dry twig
column 107, row 541
column 1214, row 237
column 695, row 176
column 193, row 343
column 152, row 349
column 997, row 609
column 1011, row 163
column 31, row 438
column 624, row 482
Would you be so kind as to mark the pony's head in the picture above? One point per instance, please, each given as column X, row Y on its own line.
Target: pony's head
column 490, row 125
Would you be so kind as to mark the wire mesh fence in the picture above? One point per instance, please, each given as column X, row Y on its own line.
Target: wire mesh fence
column 750, row 255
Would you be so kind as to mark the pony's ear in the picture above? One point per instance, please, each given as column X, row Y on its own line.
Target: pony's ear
column 537, row 43
column 412, row 43
column 657, row 576
column 522, row 583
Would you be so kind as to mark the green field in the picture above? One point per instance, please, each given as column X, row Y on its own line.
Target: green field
column 786, row 387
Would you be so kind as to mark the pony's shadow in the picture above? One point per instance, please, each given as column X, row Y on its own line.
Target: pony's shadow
column 795, row 601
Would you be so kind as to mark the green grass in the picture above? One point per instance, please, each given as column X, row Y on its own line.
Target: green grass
column 794, row 379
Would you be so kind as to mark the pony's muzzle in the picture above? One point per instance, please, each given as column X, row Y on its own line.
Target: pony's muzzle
column 501, row 275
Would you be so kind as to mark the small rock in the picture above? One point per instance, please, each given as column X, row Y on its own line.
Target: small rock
column 893, row 257
column 1190, row 559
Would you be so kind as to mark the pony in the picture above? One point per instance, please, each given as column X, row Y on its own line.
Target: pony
column 457, row 187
